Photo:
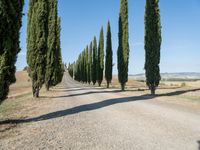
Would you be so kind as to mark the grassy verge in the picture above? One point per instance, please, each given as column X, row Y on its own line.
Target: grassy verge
column 13, row 104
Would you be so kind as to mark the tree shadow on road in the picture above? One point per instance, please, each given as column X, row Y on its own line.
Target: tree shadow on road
column 92, row 106
column 93, row 88
column 87, row 93
column 175, row 93
column 78, row 109
column 78, row 89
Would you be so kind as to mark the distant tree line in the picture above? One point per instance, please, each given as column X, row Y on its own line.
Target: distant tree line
column 89, row 67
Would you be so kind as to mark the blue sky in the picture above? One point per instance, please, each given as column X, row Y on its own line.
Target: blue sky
column 82, row 20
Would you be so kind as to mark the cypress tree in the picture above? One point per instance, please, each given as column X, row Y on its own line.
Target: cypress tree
column 78, row 69
column 51, row 43
column 152, row 44
column 83, row 67
column 94, row 62
column 75, row 70
column 87, row 64
column 123, row 48
column 10, row 16
column 109, row 57
column 58, row 67
column 100, row 58
column 71, row 69
column 90, row 64
column 37, row 43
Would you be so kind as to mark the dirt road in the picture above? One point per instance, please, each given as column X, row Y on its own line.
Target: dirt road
column 81, row 117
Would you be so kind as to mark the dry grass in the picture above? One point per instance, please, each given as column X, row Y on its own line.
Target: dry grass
column 165, row 87
column 22, row 85
column 130, row 84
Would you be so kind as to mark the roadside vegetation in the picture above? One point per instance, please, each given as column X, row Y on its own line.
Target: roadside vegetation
column 94, row 64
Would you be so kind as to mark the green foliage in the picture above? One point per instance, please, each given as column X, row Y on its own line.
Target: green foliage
column 51, row 44
column 90, row 64
column 85, row 67
column 77, row 70
column 10, row 16
column 94, row 62
column 59, row 68
column 43, row 45
column 100, row 58
column 109, row 57
column 152, row 44
column 84, row 75
column 123, row 48
column 71, row 69
column 37, row 42
column 87, row 64
column 54, row 67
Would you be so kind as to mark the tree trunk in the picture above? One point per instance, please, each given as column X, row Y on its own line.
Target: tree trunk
column 47, row 88
column 99, row 83
column 153, row 89
column 122, row 86
column 36, row 92
column 108, row 84
column 33, row 91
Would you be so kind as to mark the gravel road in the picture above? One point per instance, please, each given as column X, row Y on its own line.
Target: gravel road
column 83, row 117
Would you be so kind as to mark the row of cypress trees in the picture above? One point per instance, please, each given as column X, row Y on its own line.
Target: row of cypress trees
column 152, row 51
column 43, row 45
column 44, row 52
column 11, row 21
column 90, row 65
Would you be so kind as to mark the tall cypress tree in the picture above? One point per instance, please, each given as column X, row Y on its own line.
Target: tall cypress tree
column 152, row 44
column 90, row 64
column 58, row 67
column 71, row 69
column 87, row 63
column 10, row 16
column 51, row 43
column 100, row 60
column 94, row 62
column 78, row 74
column 109, row 56
column 37, row 42
column 123, row 48
column 83, row 66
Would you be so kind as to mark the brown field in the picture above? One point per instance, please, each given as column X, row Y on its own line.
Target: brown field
column 22, row 85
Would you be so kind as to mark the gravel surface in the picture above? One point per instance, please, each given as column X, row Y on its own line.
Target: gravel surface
column 83, row 117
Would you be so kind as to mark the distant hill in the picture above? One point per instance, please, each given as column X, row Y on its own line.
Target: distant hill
column 172, row 76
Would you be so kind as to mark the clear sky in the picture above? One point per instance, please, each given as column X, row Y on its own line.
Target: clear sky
column 82, row 20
